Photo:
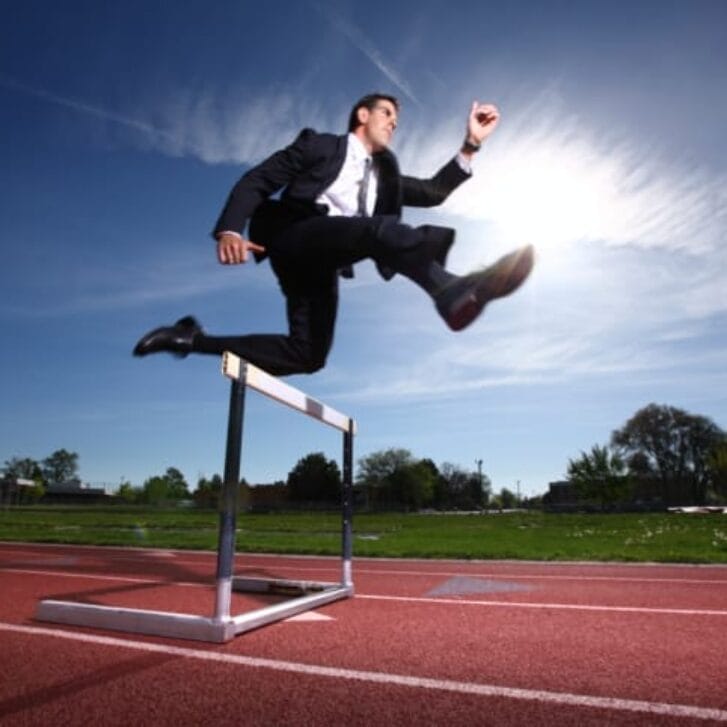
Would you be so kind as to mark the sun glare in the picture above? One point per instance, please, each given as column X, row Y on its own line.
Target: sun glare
column 552, row 191
column 552, row 198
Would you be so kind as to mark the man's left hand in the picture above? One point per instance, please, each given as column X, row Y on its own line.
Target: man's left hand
column 482, row 122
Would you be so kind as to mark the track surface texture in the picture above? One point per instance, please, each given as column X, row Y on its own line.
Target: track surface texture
column 421, row 643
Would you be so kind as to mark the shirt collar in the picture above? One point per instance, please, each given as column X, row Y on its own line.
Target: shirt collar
column 356, row 148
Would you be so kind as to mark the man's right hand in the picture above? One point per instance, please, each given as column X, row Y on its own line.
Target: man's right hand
column 233, row 249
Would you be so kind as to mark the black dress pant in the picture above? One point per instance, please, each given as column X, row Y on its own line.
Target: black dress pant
column 306, row 257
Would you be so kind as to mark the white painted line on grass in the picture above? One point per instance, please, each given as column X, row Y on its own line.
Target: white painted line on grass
column 371, row 677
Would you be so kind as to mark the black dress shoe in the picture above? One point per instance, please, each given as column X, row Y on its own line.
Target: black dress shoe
column 462, row 301
column 176, row 339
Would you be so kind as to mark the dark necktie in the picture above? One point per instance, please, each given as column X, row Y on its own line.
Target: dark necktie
column 363, row 191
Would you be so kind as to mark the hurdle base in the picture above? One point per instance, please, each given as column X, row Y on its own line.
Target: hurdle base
column 198, row 628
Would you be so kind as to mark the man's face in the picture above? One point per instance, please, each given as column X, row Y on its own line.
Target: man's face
column 377, row 125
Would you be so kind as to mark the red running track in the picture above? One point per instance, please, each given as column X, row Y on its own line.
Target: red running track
column 423, row 642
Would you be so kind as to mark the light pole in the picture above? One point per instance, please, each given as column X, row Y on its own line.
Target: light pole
column 478, row 462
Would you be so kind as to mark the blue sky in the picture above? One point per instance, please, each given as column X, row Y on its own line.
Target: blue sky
column 125, row 125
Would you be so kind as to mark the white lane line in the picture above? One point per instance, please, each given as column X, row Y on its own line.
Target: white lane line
column 136, row 554
column 100, row 577
column 561, row 606
column 371, row 677
column 405, row 599
column 514, row 576
column 362, row 570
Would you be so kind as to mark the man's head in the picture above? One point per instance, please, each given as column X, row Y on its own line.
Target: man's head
column 373, row 119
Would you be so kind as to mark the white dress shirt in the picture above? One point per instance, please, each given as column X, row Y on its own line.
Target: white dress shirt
column 341, row 197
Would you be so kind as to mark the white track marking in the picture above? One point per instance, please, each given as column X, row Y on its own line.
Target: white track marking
column 552, row 606
column 310, row 616
column 412, row 682
column 406, row 599
column 363, row 570
column 361, row 566
column 100, row 577
column 543, row 576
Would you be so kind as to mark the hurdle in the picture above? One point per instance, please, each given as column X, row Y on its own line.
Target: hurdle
column 302, row 595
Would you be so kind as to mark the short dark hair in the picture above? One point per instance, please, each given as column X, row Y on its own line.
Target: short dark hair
column 368, row 102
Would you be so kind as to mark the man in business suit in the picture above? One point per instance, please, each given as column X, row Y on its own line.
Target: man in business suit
column 341, row 203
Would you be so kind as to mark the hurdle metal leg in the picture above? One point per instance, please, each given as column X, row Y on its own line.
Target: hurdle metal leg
column 228, row 501
column 222, row 626
column 347, row 504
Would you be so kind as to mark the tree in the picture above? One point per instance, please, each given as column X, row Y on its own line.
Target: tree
column 463, row 489
column 128, row 494
column 60, row 467
column 507, row 499
column 478, row 490
column 23, row 468
column 314, row 478
column 177, row 487
column 374, row 472
column 207, row 494
column 162, row 488
column 674, row 445
column 717, row 469
column 600, row 476
column 411, row 485
column 374, row 469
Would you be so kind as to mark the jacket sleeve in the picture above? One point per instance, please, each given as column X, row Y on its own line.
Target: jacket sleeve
column 431, row 192
column 262, row 181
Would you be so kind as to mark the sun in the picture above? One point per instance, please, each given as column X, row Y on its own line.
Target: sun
column 553, row 198
column 550, row 193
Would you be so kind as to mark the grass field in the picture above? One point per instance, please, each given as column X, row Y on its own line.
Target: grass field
column 533, row 535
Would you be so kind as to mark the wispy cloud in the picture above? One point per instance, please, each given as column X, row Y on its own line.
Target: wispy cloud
column 87, row 109
column 215, row 128
column 364, row 44
column 204, row 124
column 545, row 178
column 529, row 359
column 112, row 289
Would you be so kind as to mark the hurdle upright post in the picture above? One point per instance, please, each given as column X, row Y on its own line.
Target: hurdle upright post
column 229, row 500
column 347, row 506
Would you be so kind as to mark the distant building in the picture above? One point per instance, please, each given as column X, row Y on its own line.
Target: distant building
column 266, row 497
column 14, row 490
column 647, row 494
column 561, row 497
column 74, row 492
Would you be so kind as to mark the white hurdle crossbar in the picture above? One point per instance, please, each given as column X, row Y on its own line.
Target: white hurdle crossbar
column 222, row 626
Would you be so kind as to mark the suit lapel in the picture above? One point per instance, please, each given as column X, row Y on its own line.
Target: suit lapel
column 388, row 193
column 335, row 162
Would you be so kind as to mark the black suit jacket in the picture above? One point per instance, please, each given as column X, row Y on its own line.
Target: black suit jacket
column 305, row 169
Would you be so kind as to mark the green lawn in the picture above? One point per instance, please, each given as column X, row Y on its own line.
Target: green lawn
column 534, row 536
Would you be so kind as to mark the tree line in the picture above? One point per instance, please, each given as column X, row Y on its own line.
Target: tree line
column 661, row 456
column 60, row 467
column 388, row 479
